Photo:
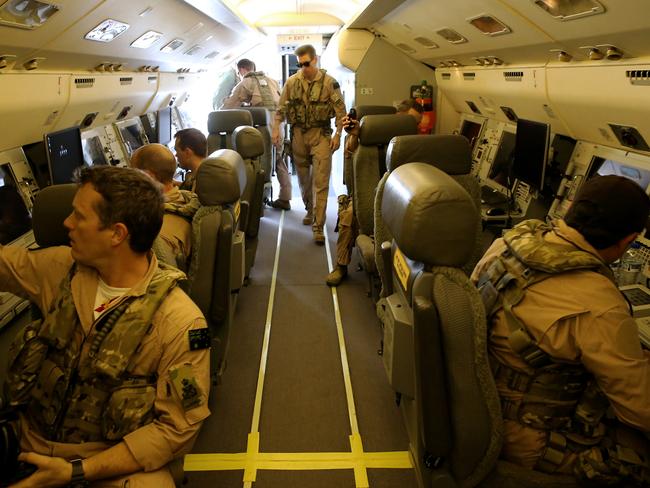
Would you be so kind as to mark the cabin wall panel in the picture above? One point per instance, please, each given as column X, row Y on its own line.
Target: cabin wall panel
column 31, row 106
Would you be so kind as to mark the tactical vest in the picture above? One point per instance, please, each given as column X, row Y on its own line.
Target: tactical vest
column 268, row 100
column 308, row 110
column 96, row 398
column 557, row 395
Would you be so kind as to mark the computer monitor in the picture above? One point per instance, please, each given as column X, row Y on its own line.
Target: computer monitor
column 94, row 154
column 132, row 136
column 531, row 152
column 64, row 154
column 563, row 147
column 15, row 219
column 471, row 131
column 164, row 126
column 37, row 159
column 604, row 167
column 149, row 126
column 502, row 163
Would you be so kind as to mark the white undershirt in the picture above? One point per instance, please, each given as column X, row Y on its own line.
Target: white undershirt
column 105, row 295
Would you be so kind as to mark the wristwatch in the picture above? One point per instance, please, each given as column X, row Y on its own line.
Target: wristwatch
column 78, row 477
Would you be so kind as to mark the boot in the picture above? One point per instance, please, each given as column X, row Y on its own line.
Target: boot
column 338, row 275
column 281, row 204
column 308, row 219
column 319, row 237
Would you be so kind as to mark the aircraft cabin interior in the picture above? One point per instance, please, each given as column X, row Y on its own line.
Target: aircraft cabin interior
column 353, row 385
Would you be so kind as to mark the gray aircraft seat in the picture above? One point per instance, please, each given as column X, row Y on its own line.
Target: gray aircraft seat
column 362, row 111
column 249, row 143
column 435, row 337
column 263, row 121
column 369, row 164
column 220, row 181
column 222, row 123
column 450, row 153
column 52, row 206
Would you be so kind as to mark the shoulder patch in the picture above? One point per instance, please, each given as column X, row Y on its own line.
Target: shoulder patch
column 199, row 338
column 336, row 85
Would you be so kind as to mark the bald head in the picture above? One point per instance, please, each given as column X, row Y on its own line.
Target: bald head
column 156, row 160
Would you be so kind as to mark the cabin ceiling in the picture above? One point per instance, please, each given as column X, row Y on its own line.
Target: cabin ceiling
column 534, row 32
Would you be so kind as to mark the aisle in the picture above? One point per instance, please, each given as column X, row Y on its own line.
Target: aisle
column 303, row 438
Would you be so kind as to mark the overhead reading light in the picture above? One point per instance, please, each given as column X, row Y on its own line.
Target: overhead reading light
column 451, row 36
column 172, row 45
column 570, row 9
column 107, row 31
column 490, row 26
column 26, row 14
column 193, row 50
column 147, row 39
column 426, row 42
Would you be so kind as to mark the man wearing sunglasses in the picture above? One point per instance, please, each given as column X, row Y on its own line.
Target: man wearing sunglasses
column 309, row 100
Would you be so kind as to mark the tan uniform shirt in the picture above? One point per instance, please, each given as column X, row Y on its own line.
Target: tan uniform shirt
column 581, row 317
column 176, row 231
column 331, row 91
column 247, row 92
column 36, row 275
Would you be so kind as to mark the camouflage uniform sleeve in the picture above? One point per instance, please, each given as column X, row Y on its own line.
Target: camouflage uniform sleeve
column 336, row 99
column 281, row 112
column 183, row 386
column 34, row 275
column 238, row 96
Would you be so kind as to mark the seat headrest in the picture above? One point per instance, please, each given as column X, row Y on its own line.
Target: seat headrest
column 260, row 115
column 52, row 206
column 377, row 130
column 432, row 218
column 221, row 178
column 363, row 110
column 451, row 154
column 228, row 120
column 248, row 142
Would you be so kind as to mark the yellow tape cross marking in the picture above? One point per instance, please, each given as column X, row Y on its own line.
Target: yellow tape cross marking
column 297, row 461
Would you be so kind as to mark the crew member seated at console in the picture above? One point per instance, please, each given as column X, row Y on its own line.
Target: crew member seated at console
column 113, row 383
column 562, row 344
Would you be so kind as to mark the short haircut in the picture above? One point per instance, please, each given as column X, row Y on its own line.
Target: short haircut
column 410, row 103
column 246, row 64
column 129, row 196
column 608, row 209
column 157, row 159
column 306, row 49
column 194, row 139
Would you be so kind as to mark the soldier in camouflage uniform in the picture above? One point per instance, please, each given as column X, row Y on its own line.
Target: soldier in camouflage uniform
column 258, row 90
column 113, row 383
column 191, row 148
column 309, row 100
column 174, row 243
column 563, row 347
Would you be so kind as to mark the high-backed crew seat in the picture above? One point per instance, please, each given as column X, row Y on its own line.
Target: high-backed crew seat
column 220, row 181
column 369, row 164
column 262, row 121
column 221, row 125
column 249, row 143
column 450, row 153
column 362, row 111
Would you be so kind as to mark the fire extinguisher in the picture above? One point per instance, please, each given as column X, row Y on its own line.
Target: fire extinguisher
column 423, row 95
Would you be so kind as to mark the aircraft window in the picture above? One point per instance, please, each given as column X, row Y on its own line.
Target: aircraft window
column 451, row 36
column 14, row 216
column 172, row 45
column 570, row 9
column 489, row 25
column 107, row 31
column 27, row 14
column 147, row 39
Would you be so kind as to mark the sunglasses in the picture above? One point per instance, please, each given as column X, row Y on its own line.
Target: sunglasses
column 305, row 64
